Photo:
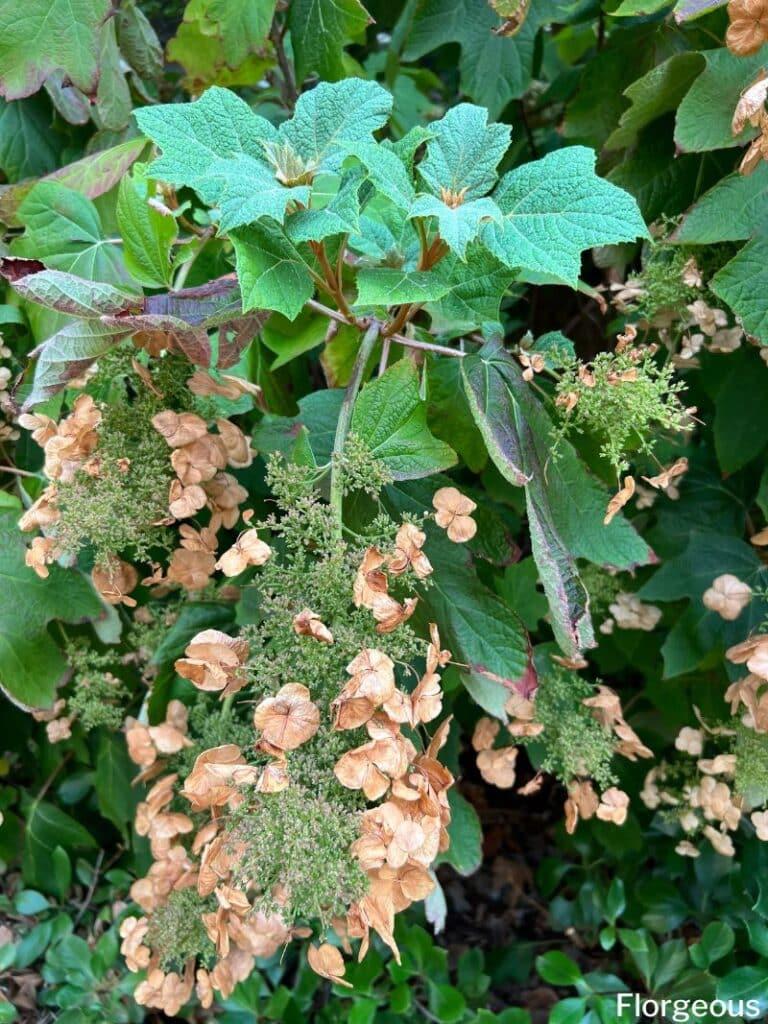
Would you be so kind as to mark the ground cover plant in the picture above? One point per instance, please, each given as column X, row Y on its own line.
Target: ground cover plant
column 384, row 630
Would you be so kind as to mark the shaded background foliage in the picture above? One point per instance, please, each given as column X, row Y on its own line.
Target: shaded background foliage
column 535, row 923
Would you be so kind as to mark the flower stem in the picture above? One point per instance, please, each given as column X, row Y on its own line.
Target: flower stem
column 345, row 418
column 226, row 707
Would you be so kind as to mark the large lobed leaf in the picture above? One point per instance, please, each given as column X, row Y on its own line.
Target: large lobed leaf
column 41, row 37
column 554, row 209
column 218, row 146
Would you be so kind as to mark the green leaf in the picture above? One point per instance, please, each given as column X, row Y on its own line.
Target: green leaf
column 464, row 152
column 687, row 10
column 242, row 26
column 271, row 270
column 570, row 1011
column 731, row 211
column 216, row 146
column 476, row 287
column 554, row 209
column 446, row 1003
column 31, row 665
column 493, row 69
column 717, row 940
column 489, row 380
column 386, row 170
column 116, row 797
column 112, row 108
column 637, row 8
column 745, row 983
column 28, row 901
column 27, row 146
column 66, row 354
column 663, row 181
column 460, row 225
column 742, row 284
column 64, row 231
column 199, row 47
column 519, row 589
column 92, row 176
column 289, row 339
column 320, row 29
column 339, row 216
column 465, row 854
column 383, row 286
column 481, row 629
column 658, row 91
column 148, row 234
column 449, row 415
column 558, row 969
column 46, row 828
column 330, row 117
column 49, row 36
column 138, row 41
column 741, row 412
column 391, row 418
column 704, row 116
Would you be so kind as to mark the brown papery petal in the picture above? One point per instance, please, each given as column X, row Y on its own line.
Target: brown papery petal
column 288, row 719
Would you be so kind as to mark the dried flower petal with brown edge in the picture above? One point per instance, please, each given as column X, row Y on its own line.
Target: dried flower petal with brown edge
column 453, row 513
column 115, row 580
column 213, row 661
column 613, row 806
column 408, row 554
column 184, row 502
column 247, row 550
column 307, row 623
column 370, row 581
column 664, row 479
column 498, row 766
column 486, row 731
column 179, row 429
column 289, row 718
column 40, row 554
column 215, row 776
column 748, row 28
column 619, row 500
column 328, row 962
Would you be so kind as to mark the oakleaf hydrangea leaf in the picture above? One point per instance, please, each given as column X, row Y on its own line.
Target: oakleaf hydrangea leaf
column 320, row 29
column 340, row 216
column 216, row 146
column 476, row 287
column 464, row 152
column 44, row 36
column 196, row 137
column 64, row 230
column 331, row 115
column 457, row 225
column 271, row 271
column 388, row 287
column 386, row 171
column 742, row 284
column 554, row 209
column 248, row 190
column 391, row 418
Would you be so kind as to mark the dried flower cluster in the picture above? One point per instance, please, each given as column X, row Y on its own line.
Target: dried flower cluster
column 581, row 728
column 109, row 469
column 319, row 806
column 722, row 776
